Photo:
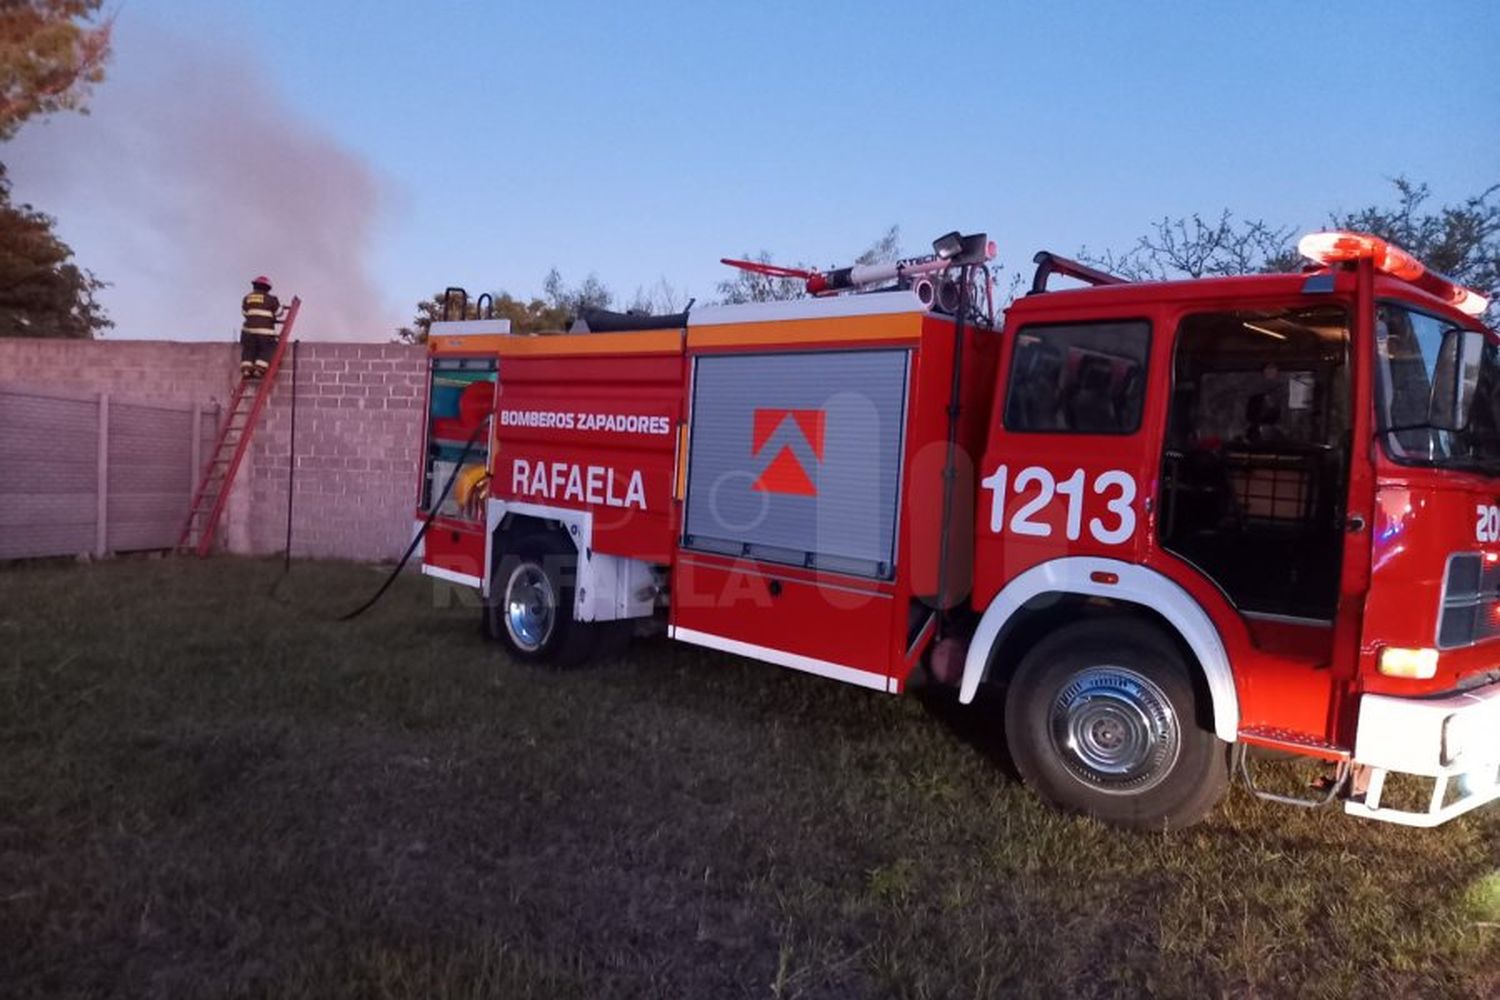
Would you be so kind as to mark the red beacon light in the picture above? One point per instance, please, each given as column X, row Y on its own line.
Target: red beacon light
column 1340, row 247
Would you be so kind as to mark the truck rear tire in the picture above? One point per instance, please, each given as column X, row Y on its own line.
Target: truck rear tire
column 530, row 608
column 1102, row 718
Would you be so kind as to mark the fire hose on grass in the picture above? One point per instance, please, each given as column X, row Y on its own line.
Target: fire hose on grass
column 426, row 523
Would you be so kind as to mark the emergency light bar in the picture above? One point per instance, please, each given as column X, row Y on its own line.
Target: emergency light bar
column 1340, row 247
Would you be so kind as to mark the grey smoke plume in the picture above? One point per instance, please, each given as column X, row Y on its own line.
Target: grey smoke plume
column 192, row 175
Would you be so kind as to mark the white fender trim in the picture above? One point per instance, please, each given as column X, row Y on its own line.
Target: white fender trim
column 1137, row 584
column 607, row 588
column 580, row 525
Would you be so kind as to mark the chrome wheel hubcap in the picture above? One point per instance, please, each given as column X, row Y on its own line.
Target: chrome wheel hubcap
column 1115, row 730
column 529, row 607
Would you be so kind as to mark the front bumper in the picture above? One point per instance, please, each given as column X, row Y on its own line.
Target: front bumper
column 1453, row 740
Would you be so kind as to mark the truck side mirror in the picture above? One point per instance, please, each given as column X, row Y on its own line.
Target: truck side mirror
column 1454, row 379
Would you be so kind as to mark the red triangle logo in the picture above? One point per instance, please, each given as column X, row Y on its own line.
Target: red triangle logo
column 785, row 475
column 766, row 422
column 811, row 423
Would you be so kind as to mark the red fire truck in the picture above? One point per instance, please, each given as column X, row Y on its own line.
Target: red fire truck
column 1170, row 521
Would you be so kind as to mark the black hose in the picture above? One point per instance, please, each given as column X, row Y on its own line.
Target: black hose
column 422, row 532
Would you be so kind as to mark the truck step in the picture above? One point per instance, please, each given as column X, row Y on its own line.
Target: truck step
column 1322, row 794
column 1306, row 744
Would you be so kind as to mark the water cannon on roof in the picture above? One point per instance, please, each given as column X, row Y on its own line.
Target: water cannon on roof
column 923, row 275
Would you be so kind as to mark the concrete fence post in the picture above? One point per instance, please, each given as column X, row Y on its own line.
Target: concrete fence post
column 101, row 517
column 195, row 458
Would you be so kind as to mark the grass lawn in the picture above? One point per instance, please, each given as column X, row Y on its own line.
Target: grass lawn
column 208, row 791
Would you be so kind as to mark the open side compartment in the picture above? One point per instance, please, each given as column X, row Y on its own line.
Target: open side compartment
column 461, row 392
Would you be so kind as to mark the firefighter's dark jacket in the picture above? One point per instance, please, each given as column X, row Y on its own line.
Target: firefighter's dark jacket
column 260, row 309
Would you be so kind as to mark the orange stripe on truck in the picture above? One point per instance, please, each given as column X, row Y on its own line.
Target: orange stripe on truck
column 558, row 344
column 889, row 326
column 646, row 342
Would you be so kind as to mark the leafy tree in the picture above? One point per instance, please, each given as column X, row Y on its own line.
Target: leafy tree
column 42, row 292
column 525, row 315
column 555, row 311
column 591, row 294
column 50, row 55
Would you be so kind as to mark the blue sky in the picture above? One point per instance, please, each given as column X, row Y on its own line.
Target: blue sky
column 645, row 141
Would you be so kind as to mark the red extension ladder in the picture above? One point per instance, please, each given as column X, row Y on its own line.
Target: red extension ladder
column 230, row 445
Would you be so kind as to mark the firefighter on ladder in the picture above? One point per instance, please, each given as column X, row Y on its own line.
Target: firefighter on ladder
column 261, row 311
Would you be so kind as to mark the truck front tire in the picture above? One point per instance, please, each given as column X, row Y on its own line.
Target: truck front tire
column 1101, row 718
column 530, row 606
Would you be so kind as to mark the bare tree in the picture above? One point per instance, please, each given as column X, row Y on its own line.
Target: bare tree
column 660, row 299
column 1461, row 240
column 752, row 286
column 884, row 250
column 1192, row 247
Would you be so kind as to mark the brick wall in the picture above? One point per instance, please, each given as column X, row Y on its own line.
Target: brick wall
column 358, row 447
column 359, row 424
column 154, row 371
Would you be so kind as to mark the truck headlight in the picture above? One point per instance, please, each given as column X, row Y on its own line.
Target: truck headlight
column 1416, row 664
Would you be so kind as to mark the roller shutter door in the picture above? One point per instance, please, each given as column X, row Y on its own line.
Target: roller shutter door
column 796, row 458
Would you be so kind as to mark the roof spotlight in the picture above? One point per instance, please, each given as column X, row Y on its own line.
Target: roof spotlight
column 948, row 246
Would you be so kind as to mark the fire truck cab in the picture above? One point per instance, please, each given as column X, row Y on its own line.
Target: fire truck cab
column 1170, row 521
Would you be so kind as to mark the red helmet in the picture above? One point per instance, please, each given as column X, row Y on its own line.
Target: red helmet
column 261, row 279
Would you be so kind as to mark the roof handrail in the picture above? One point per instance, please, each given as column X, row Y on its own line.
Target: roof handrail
column 463, row 302
column 1048, row 263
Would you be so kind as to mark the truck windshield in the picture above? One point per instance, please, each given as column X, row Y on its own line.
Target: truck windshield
column 1437, row 391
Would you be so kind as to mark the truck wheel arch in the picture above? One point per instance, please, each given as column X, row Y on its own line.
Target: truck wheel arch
column 605, row 587
column 1134, row 584
column 509, row 520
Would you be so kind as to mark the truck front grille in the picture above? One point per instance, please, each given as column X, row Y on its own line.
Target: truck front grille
column 1471, row 601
